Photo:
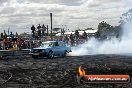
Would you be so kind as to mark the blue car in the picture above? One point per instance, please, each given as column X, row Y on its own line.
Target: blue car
column 50, row 49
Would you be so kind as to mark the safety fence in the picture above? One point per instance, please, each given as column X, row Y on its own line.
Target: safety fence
column 15, row 53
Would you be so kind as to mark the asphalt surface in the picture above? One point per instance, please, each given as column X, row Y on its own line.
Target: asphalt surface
column 25, row 72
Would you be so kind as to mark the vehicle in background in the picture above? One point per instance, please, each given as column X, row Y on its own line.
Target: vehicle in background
column 50, row 49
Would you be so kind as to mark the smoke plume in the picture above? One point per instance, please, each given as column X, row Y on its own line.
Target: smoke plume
column 113, row 46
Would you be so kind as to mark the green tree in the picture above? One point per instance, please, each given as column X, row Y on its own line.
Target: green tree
column 126, row 17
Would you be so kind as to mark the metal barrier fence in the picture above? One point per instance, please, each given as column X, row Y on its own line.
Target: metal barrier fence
column 14, row 53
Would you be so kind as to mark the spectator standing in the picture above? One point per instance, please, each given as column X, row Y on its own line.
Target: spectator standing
column 77, row 34
column 66, row 39
column 85, row 35
column 2, row 35
column 5, row 35
column 11, row 36
column 43, row 30
column 39, row 31
column 72, row 39
column 16, row 35
column 33, row 31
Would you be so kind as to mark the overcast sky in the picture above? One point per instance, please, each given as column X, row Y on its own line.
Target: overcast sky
column 19, row 15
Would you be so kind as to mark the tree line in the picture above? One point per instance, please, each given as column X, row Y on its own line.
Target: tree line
column 107, row 31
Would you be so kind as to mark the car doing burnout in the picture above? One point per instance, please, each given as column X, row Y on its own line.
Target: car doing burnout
column 50, row 49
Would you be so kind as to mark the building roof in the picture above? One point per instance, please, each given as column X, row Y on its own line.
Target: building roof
column 80, row 32
column 90, row 31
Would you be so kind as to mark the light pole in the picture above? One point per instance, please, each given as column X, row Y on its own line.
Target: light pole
column 51, row 26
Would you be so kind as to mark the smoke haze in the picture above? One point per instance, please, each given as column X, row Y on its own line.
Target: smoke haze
column 113, row 46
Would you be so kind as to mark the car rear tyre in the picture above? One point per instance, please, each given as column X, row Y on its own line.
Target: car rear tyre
column 64, row 54
column 34, row 56
column 50, row 55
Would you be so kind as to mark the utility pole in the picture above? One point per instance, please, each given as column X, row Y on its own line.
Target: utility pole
column 51, row 26
column 47, row 30
column 62, row 30
column 8, row 31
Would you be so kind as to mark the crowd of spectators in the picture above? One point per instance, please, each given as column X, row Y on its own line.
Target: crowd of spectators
column 76, row 38
column 11, row 41
column 15, row 42
column 39, row 31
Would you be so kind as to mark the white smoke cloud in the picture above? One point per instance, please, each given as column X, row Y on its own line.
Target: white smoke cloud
column 113, row 46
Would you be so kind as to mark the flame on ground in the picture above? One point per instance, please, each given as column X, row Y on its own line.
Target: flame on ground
column 81, row 71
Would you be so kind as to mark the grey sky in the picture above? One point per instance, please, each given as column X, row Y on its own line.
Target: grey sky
column 19, row 15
